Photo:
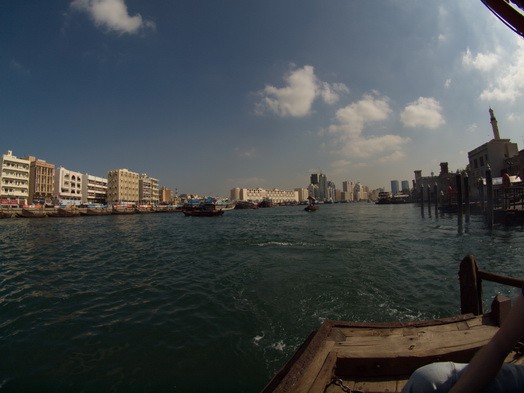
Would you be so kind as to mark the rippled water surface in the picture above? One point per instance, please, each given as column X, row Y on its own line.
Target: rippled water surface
column 167, row 303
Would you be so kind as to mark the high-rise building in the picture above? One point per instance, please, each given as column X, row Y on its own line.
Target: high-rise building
column 41, row 181
column 14, row 178
column 394, row 187
column 405, row 186
column 122, row 187
column 320, row 180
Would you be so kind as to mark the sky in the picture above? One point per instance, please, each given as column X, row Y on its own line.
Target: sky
column 209, row 95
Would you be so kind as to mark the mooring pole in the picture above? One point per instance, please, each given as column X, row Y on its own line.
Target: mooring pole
column 422, row 200
column 489, row 197
column 458, row 179
column 429, row 200
column 436, row 199
column 466, row 196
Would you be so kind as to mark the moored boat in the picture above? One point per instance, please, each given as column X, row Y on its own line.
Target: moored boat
column 380, row 357
column 95, row 211
column 246, row 205
column 64, row 212
column 32, row 213
column 203, row 213
column 5, row 214
column 123, row 210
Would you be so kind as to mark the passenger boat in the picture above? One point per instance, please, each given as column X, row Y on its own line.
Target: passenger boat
column 32, row 213
column 64, row 212
column 311, row 207
column 123, row 209
column 203, row 212
column 95, row 211
column 4, row 214
column 246, row 205
column 380, row 357
column 143, row 209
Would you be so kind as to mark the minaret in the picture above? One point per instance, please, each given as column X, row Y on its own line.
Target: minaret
column 494, row 125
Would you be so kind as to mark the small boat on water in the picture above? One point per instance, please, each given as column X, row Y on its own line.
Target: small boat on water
column 95, row 211
column 380, row 357
column 246, row 205
column 5, row 214
column 311, row 207
column 123, row 210
column 64, row 212
column 203, row 213
column 32, row 213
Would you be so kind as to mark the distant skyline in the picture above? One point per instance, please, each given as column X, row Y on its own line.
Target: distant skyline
column 207, row 96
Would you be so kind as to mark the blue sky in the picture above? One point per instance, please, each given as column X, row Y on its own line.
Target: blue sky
column 209, row 95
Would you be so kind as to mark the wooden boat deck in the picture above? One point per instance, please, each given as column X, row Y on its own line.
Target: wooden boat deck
column 379, row 357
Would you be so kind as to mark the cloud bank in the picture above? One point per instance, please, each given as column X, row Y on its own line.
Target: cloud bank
column 112, row 15
column 425, row 112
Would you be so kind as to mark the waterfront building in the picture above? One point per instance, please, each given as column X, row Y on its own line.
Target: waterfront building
column 331, row 191
column 320, row 180
column 394, row 187
column 94, row 190
column 165, row 195
column 148, row 192
column 348, row 188
column 68, row 187
column 41, row 181
column 302, row 194
column 360, row 192
column 405, row 186
column 14, row 178
column 259, row 194
column 122, row 187
column 497, row 153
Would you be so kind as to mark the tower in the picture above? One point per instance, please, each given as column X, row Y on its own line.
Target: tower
column 494, row 125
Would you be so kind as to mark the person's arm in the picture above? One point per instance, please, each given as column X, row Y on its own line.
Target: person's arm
column 487, row 362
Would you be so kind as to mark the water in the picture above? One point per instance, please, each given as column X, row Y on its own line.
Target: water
column 167, row 303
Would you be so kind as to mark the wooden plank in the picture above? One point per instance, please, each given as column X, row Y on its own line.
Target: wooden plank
column 325, row 374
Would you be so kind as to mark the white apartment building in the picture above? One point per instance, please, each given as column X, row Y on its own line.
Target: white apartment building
column 148, row 191
column 259, row 194
column 122, row 187
column 94, row 189
column 302, row 194
column 68, row 187
column 14, row 179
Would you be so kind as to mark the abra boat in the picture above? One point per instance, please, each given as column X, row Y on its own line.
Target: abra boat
column 203, row 212
column 32, row 213
column 4, row 214
column 311, row 207
column 64, row 212
column 380, row 357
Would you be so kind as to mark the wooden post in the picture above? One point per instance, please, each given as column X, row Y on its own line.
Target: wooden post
column 429, row 200
column 470, row 287
column 458, row 179
column 422, row 200
column 481, row 195
column 466, row 196
column 489, row 198
column 500, row 308
column 436, row 199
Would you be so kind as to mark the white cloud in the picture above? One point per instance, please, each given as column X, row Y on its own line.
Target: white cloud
column 296, row 99
column 249, row 153
column 503, row 72
column 353, row 118
column 425, row 112
column 447, row 83
column 481, row 62
column 112, row 15
column 351, row 122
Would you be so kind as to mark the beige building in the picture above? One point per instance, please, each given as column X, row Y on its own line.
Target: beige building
column 497, row 153
column 166, row 195
column 148, row 190
column 302, row 194
column 14, row 178
column 94, row 190
column 68, row 187
column 41, row 181
column 259, row 194
column 122, row 187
